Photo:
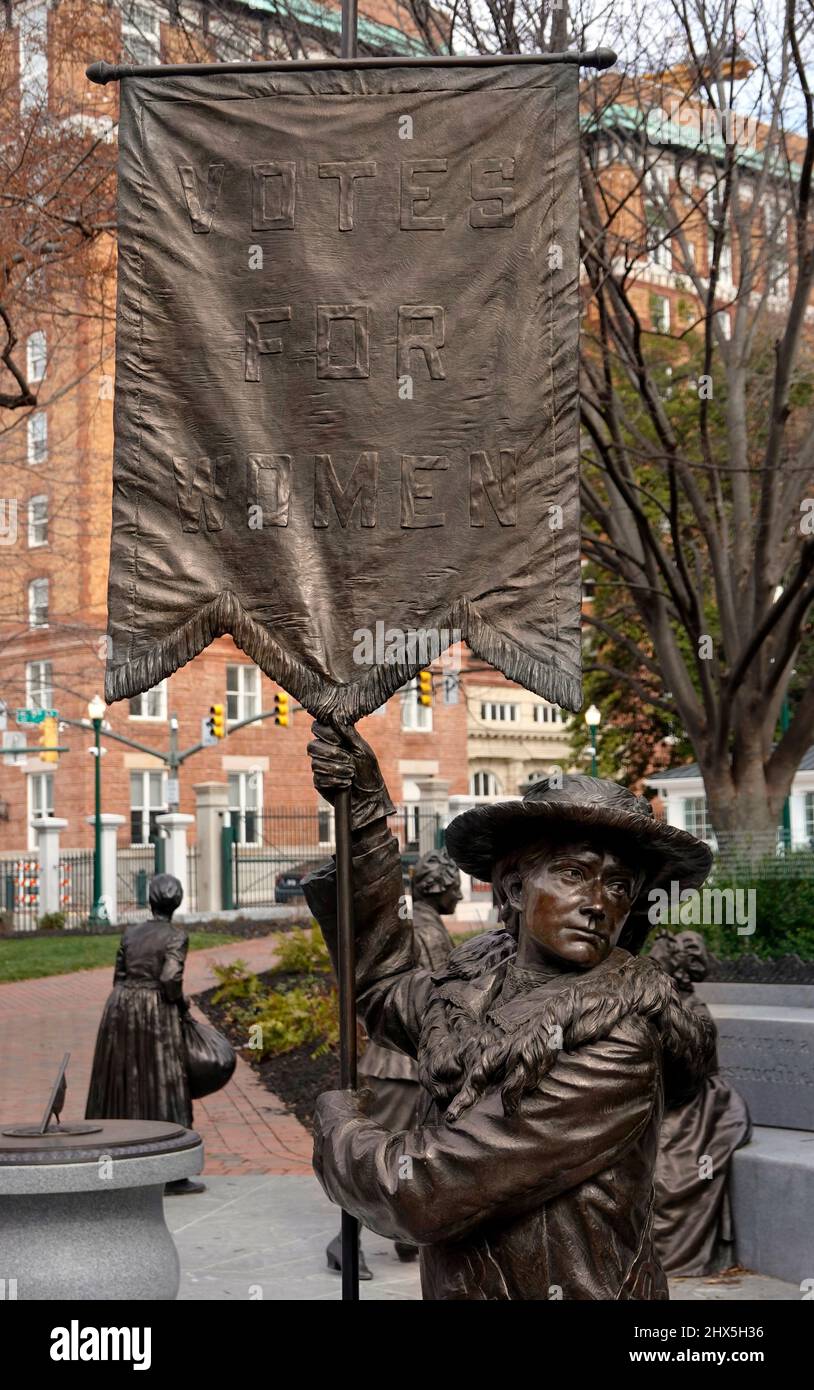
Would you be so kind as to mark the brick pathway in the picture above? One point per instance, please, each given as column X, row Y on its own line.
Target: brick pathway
column 245, row 1128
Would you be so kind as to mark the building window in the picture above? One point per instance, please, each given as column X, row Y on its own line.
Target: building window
column 148, row 799
column 696, row 817
column 242, row 692
column 498, row 711
column 809, row 818
column 152, row 704
column 38, row 520
column 39, row 685
column 246, row 805
column 33, row 58
column 35, row 352
column 660, row 313
column 37, row 437
column 658, row 239
column 484, row 783
column 38, row 603
column 325, row 825
column 549, row 714
column 40, row 801
column 141, row 34
column 415, row 718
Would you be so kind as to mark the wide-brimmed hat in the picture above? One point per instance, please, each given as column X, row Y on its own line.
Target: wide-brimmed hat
column 478, row 838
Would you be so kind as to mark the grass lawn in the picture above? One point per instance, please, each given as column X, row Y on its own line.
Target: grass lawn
column 29, row 960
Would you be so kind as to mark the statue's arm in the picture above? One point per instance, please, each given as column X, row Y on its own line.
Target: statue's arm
column 438, row 1182
column 172, row 971
column 391, row 990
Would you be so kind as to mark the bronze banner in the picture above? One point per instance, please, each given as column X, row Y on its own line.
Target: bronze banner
column 346, row 380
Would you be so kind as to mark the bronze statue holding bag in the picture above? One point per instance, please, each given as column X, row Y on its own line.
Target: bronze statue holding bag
column 544, row 1048
column 152, row 1058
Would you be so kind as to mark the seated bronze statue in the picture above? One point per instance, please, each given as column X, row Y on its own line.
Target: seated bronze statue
column 544, row 1048
column 693, row 1228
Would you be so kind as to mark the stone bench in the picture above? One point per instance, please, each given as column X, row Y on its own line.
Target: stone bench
column 772, row 1194
column 766, row 1049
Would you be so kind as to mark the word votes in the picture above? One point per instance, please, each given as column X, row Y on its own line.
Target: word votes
column 202, row 484
column 275, row 190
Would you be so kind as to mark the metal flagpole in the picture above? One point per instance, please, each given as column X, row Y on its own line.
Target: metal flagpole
column 344, row 892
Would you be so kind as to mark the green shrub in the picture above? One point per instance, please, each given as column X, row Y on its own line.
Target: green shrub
column 237, row 982
column 784, row 909
column 51, row 921
column 303, row 953
column 291, row 1019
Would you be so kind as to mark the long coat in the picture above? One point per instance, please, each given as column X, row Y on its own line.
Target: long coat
column 139, row 1066
column 554, row 1201
column 693, row 1223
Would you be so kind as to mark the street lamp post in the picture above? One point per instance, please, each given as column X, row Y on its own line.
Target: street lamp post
column 98, row 913
column 593, row 718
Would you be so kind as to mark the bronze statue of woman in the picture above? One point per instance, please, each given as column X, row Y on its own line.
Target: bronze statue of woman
column 139, row 1066
column 544, row 1048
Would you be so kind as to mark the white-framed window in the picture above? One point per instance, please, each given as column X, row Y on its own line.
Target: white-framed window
column 148, row 799
column 415, row 718
column 696, row 817
column 36, row 355
column 809, row 817
column 246, row 805
column 498, row 711
column 141, row 34
column 33, row 40
column 37, row 427
column 325, row 825
column 549, row 714
column 242, row 692
column 152, row 704
column 39, row 685
column 38, row 520
column 484, row 783
column 40, row 801
column 658, row 237
column 38, row 602
column 660, row 313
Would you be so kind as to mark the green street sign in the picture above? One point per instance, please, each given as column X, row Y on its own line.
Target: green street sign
column 35, row 716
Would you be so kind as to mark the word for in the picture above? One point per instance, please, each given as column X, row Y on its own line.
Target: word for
column 276, row 187
column 201, row 485
column 419, row 328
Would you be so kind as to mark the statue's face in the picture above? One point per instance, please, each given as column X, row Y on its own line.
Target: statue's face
column 449, row 899
column 574, row 902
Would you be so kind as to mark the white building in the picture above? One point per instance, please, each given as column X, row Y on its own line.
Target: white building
column 685, row 804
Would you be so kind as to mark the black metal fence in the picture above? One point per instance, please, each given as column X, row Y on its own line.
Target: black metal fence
column 268, row 854
column 20, row 891
column 76, row 886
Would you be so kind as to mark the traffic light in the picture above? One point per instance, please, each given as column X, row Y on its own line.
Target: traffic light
column 49, row 738
column 425, row 687
column 281, row 715
column 217, row 723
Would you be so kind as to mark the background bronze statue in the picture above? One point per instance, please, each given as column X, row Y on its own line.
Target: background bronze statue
column 139, row 1065
column 543, row 1055
column 389, row 1074
column 693, row 1225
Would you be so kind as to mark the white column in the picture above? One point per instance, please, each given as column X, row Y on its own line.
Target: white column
column 211, row 804
column 109, row 825
column 48, row 829
column 433, row 801
column 175, row 823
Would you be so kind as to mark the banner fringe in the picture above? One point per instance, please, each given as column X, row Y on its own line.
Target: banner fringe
column 336, row 704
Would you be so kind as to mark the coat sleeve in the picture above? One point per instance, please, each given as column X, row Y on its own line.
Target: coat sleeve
column 391, row 990
column 172, row 971
column 438, row 1182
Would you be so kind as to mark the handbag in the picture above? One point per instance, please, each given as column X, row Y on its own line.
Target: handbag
column 210, row 1057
